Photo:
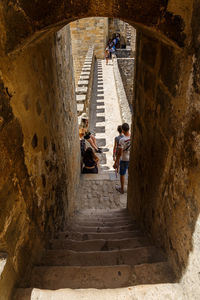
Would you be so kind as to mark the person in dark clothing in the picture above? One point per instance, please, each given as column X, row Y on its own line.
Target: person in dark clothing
column 90, row 161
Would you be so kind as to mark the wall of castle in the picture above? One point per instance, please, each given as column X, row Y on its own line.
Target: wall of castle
column 163, row 190
column 39, row 147
column 126, row 31
column 85, row 33
column 126, row 68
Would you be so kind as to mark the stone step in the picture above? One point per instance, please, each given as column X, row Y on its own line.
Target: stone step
column 131, row 257
column 99, row 245
column 104, row 216
column 80, row 236
column 87, row 63
column 103, row 223
column 102, row 219
column 81, row 90
column 84, row 73
column 80, row 98
column 83, row 83
column 80, row 109
column 86, row 69
column 169, row 291
column 86, row 77
column 85, row 229
column 58, row 277
column 104, row 212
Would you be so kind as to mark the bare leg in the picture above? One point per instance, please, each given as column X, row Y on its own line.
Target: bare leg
column 92, row 144
column 94, row 140
column 122, row 180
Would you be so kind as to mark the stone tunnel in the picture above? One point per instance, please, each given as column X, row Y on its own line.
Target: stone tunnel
column 39, row 146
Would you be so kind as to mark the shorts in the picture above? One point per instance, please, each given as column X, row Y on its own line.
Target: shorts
column 123, row 167
column 90, row 171
column 87, row 135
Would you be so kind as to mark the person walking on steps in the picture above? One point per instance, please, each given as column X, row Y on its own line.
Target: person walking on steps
column 123, row 155
column 116, row 142
column 107, row 54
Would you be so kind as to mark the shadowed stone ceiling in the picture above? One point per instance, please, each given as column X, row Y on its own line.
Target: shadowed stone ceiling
column 23, row 20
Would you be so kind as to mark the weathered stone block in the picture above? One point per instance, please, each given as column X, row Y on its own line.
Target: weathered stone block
column 86, row 69
column 83, row 82
column 80, row 108
column 80, row 98
column 83, row 73
column 149, row 82
column 81, row 90
column 170, row 61
column 86, row 77
column 149, row 51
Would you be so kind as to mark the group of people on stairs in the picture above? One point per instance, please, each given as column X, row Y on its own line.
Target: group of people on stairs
column 89, row 148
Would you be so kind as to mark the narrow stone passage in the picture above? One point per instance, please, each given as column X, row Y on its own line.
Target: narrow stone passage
column 99, row 191
column 102, row 246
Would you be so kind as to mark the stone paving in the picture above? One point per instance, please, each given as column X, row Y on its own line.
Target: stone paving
column 98, row 190
column 105, row 111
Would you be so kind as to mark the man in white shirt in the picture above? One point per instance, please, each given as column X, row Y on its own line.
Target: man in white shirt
column 123, row 156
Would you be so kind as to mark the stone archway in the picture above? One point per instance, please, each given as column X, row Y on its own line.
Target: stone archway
column 163, row 189
column 23, row 22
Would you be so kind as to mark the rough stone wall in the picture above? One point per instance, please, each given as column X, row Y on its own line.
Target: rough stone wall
column 126, row 68
column 39, row 148
column 85, row 84
column 163, row 191
column 125, row 108
column 164, row 173
column 131, row 38
column 85, row 33
column 117, row 26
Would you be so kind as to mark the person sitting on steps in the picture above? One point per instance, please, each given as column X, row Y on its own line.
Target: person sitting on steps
column 88, row 136
column 90, row 161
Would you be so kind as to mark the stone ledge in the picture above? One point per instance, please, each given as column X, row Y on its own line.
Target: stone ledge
column 80, row 108
column 81, row 90
column 123, row 102
column 87, row 65
column 85, row 73
column 86, row 69
column 80, row 98
column 86, row 77
column 83, row 82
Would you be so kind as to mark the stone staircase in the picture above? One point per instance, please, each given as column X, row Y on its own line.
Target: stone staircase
column 100, row 250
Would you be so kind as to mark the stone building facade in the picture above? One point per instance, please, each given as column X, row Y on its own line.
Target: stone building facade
column 97, row 31
column 85, row 33
column 126, row 31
